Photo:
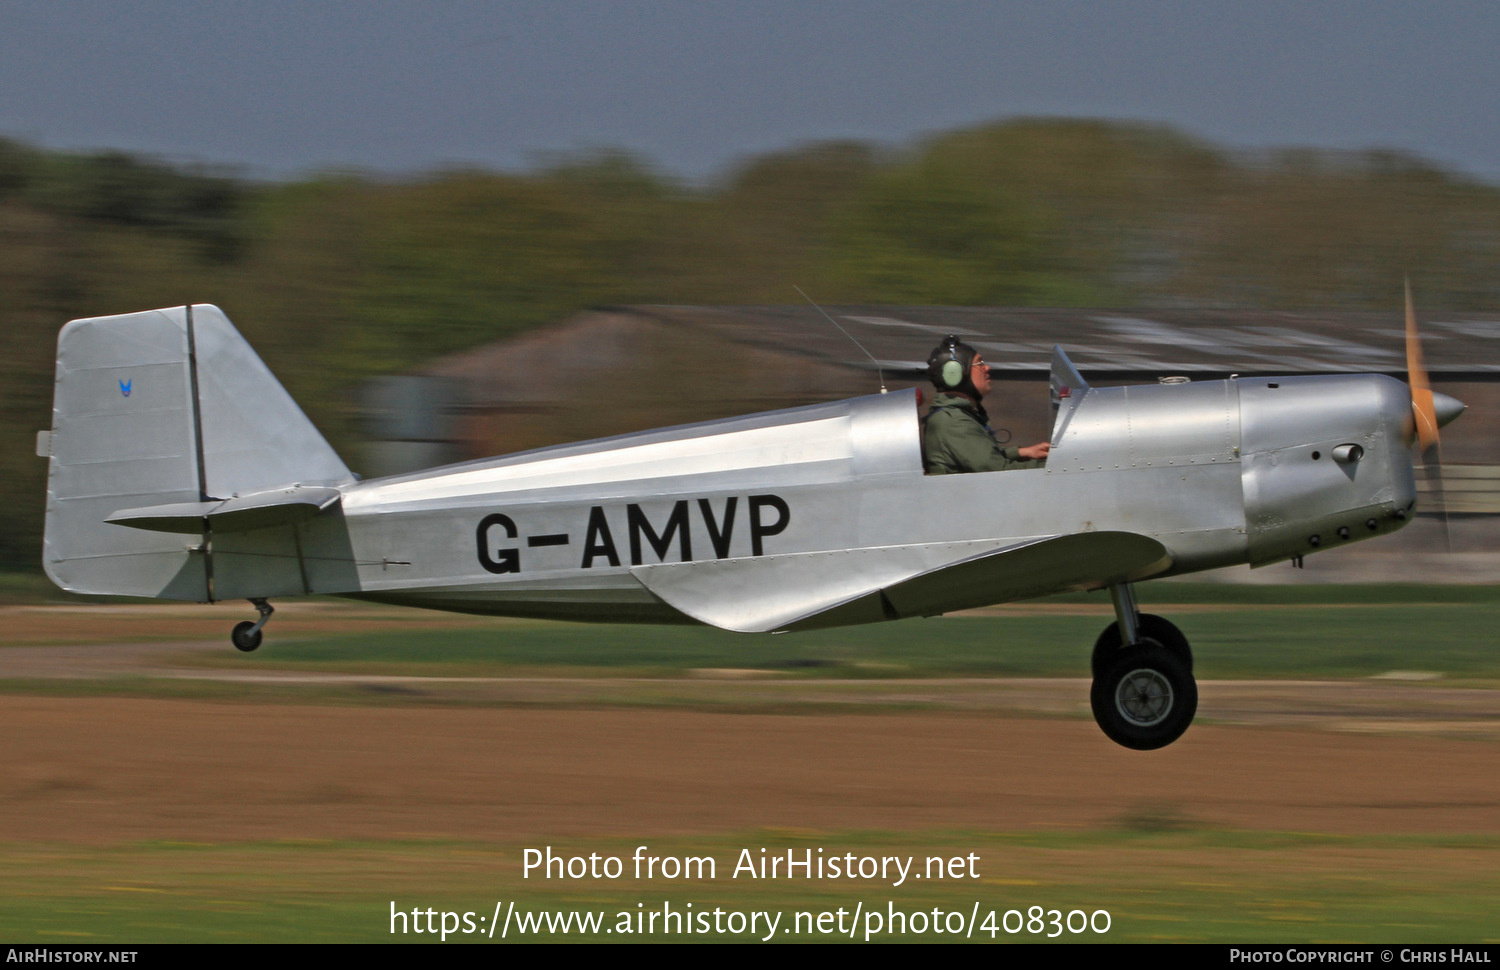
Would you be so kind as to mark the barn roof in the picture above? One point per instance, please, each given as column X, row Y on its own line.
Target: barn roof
column 1124, row 343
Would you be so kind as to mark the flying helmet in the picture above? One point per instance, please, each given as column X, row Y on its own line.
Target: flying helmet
column 949, row 365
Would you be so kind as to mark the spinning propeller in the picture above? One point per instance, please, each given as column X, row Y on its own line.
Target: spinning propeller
column 1430, row 411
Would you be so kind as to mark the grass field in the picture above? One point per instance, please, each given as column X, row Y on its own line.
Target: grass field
column 1163, row 872
column 1351, row 632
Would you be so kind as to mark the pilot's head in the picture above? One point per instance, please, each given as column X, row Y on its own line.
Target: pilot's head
column 956, row 367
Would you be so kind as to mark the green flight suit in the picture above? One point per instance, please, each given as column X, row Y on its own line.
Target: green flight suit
column 957, row 438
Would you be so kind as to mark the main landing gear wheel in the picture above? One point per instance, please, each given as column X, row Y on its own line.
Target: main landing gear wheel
column 1152, row 627
column 1145, row 697
column 245, row 636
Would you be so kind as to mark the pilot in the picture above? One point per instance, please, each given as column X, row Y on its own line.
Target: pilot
column 957, row 436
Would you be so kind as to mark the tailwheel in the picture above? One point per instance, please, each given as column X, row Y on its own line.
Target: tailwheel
column 246, row 636
column 1144, row 697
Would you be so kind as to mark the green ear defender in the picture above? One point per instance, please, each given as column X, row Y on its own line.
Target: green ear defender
column 948, row 366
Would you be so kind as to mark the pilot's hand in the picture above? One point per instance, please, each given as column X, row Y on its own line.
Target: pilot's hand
column 1032, row 452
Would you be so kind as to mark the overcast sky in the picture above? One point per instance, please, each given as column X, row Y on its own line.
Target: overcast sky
column 278, row 88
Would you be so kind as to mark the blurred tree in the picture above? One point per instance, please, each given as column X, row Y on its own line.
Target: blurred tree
column 471, row 257
column 1308, row 229
column 774, row 224
column 932, row 232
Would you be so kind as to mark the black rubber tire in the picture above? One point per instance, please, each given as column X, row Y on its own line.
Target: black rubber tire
column 1146, row 698
column 243, row 639
column 1153, row 627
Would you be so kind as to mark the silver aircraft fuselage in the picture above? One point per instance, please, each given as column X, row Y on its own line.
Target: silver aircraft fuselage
column 181, row 469
column 1219, row 472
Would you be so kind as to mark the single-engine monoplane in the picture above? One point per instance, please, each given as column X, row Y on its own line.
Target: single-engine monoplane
column 181, row 469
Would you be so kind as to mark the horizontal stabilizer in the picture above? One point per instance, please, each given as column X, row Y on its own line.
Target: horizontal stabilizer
column 807, row 590
column 282, row 506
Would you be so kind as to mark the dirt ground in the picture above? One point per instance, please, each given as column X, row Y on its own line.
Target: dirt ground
column 518, row 758
column 103, row 769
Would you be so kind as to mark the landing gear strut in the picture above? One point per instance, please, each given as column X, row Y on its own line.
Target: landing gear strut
column 1144, row 695
column 246, row 635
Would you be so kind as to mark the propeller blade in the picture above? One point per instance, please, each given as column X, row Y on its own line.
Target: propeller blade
column 1424, row 413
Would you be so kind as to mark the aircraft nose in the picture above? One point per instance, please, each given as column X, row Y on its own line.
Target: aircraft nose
column 1446, row 408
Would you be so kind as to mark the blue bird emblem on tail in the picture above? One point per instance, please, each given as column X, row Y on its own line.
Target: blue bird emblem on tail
column 125, row 386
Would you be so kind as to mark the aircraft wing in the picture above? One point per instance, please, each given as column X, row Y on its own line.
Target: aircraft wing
column 808, row 590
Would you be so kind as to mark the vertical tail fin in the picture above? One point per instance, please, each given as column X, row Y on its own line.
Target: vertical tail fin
column 155, row 408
